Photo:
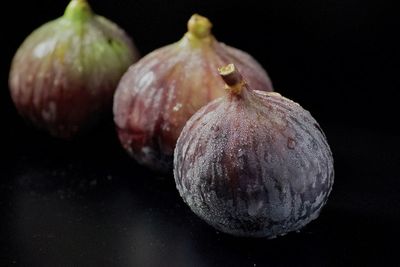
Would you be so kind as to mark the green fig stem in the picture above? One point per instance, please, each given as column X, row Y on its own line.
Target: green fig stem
column 199, row 26
column 78, row 10
column 232, row 78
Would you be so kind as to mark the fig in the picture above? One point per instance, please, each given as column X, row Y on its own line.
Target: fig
column 64, row 75
column 158, row 94
column 253, row 163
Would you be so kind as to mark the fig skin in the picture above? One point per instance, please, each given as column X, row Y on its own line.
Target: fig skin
column 253, row 163
column 64, row 75
column 164, row 89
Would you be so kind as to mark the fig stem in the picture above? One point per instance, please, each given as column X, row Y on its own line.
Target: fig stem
column 199, row 26
column 232, row 77
column 78, row 10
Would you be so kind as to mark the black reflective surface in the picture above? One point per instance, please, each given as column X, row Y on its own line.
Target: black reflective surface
column 86, row 203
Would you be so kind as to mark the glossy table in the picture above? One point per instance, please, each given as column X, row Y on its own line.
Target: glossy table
column 86, row 203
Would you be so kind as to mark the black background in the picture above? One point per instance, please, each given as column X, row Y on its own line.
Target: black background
column 86, row 203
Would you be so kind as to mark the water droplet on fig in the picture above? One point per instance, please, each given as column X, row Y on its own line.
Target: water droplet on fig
column 291, row 143
column 215, row 128
column 254, row 207
column 241, row 152
column 314, row 145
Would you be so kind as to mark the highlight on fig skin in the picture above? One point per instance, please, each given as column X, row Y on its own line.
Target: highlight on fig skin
column 253, row 163
column 164, row 89
column 63, row 76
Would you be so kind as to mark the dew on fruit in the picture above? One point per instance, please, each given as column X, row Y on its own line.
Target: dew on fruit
column 291, row 143
column 255, row 206
column 215, row 128
column 264, row 178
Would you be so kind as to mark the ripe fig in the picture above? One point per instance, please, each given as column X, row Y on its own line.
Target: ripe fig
column 253, row 163
column 65, row 73
column 163, row 90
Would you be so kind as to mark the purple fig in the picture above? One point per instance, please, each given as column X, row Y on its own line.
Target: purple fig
column 64, row 75
column 163, row 90
column 253, row 163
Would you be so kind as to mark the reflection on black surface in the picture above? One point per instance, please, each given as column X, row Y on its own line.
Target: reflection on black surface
column 116, row 230
column 100, row 209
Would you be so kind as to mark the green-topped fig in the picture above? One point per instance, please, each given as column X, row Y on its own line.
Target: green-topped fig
column 163, row 90
column 64, row 75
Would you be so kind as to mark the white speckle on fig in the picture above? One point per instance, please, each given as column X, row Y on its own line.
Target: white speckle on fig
column 50, row 114
column 177, row 107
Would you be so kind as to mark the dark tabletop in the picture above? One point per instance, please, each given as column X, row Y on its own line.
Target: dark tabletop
column 86, row 203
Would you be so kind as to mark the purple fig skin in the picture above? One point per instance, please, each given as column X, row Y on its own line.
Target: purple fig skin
column 64, row 75
column 164, row 89
column 253, row 164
